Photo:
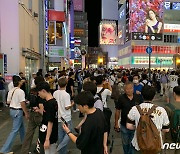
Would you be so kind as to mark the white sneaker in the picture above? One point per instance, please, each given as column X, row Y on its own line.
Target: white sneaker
column 10, row 153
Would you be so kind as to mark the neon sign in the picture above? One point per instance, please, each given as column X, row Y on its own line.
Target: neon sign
column 46, row 27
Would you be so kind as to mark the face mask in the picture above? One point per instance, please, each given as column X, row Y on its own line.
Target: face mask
column 135, row 81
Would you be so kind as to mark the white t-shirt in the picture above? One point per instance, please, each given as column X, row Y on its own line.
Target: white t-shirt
column 63, row 100
column 160, row 119
column 98, row 104
column 17, row 97
column 104, row 94
column 173, row 81
column 10, row 86
column 144, row 82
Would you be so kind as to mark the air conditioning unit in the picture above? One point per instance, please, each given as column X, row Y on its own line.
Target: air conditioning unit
column 35, row 14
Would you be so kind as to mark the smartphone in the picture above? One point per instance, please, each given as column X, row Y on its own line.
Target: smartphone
column 64, row 121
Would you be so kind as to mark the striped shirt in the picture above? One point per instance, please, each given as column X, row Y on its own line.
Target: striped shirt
column 160, row 119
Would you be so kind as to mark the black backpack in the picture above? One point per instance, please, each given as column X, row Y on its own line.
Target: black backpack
column 107, row 111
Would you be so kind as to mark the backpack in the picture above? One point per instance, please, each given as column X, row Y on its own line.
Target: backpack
column 106, row 111
column 174, row 117
column 32, row 98
column 148, row 136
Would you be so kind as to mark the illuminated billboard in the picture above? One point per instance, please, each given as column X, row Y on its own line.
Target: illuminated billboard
column 122, row 25
column 78, row 5
column 146, row 16
column 108, row 32
column 176, row 5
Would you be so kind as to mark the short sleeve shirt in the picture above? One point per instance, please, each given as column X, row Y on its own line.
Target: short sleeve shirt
column 160, row 119
column 16, row 96
column 125, row 104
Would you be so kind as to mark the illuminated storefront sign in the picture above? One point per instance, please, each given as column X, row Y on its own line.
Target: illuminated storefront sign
column 173, row 28
column 156, row 49
column 56, row 51
column 46, row 27
column 154, row 60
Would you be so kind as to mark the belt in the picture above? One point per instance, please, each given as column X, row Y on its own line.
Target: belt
column 15, row 108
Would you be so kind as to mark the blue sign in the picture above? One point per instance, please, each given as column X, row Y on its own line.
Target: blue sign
column 149, row 50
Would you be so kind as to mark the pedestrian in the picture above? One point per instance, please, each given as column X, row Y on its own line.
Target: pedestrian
column 100, row 81
column 158, row 116
column 125, row 103
column 35, row 118
column 173, row 81
column 64, row 111
column 16, row 99
column 164, row 83
column 70, row 88
column 2, row 90
column 90, row 86
column 48, row 132
column 93, row 137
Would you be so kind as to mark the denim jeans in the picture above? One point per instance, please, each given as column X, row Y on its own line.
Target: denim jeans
column 18, row 126
column 127, row 136
column 63, row 138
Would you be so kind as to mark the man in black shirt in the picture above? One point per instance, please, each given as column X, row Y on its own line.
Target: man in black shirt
column 48, row 133
column 93, row 137
column 35, row 118
column 125, row 103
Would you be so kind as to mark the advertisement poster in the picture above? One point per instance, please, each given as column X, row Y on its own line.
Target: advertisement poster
column 108, row 32
column 147, row 16
column 122, row 25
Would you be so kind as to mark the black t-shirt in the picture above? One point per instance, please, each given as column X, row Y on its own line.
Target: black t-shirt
column 34, row 99
column 125, row 104
column 50, row 114
column 68, row 87
column 90, row 141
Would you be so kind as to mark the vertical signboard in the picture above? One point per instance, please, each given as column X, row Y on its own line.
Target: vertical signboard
column 46, row 27
column 128, row 34
column 5, row 63
column 72, row 29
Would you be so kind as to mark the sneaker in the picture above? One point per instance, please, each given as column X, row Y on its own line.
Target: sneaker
column 10, row 153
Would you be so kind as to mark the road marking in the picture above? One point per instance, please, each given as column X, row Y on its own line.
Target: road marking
column 5, row 123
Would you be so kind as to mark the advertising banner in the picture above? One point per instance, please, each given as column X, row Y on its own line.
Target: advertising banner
column 78, row 5
column 146, row 17
column 108, row 32
column 122, row 25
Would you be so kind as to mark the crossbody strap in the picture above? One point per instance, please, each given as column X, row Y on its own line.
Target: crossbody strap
column 13, row 94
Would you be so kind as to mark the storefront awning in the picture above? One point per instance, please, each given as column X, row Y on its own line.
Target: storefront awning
column 29, row 53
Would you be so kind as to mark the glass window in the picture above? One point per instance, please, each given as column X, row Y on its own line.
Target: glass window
column 30, row 5
column 51, row 4
column 59, row 40
column 51, row 33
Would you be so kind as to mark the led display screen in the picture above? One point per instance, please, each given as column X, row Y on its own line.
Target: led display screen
column 176, row 5
column 146, row 16
column 122, row 25
column 108, row 32
column 78, row 5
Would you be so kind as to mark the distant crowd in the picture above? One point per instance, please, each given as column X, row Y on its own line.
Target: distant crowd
column 52, row 96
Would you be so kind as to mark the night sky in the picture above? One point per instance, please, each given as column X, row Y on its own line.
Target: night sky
column 93, row 9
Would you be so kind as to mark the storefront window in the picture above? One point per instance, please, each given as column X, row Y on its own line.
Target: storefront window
column 51, row 33
column 59, row 40
column 51, row 4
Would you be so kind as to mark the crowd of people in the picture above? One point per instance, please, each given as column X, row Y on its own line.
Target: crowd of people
column 48, row 105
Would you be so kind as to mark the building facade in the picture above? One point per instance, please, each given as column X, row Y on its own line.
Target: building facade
column 135, row 33
column 19, row 33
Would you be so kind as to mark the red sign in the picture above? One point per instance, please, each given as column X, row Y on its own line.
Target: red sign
column 56, row 15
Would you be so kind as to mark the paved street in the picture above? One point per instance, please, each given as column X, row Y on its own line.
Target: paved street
column 6, row 125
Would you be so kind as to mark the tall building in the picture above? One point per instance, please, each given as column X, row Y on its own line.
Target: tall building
column 19, row 36
column 80, row 32
column 148, row 24
column 57, row 34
